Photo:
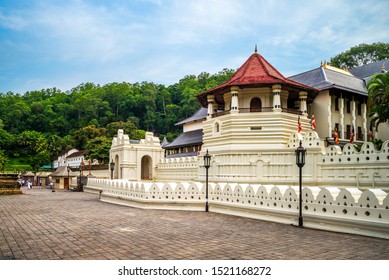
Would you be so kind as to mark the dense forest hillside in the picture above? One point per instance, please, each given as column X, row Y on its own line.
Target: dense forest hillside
column 37, row 125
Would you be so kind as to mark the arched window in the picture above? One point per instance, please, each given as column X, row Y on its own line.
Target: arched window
column 255, row 104
column 217, row 127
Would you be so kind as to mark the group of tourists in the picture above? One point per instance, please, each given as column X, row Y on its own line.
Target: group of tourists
column 27, row 183
column 24, row 183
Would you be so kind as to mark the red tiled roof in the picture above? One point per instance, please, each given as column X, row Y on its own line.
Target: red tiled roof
column 255, row 71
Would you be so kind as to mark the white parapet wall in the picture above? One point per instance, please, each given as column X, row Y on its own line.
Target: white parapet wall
column 367, row 168
column 182, row 168
column 348, row 210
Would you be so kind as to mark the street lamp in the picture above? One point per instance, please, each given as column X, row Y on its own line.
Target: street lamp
column 207, row 164
column 80, row 185
column 300, row 162
column 68, row 168
column 112, row 167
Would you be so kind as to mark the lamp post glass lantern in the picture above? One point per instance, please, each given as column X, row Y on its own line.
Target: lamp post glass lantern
column 300, row 162
column 112, row 167
column 300, row 156
column 207, row 164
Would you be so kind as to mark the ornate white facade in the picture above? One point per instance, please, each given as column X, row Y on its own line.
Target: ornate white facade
column 250, row 133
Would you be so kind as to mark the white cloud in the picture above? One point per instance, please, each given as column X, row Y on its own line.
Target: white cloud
column 200, row 22
column 157, row 40
column 14, row 22
column 84, row 32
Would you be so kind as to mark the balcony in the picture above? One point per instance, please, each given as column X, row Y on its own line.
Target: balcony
column 257, row 110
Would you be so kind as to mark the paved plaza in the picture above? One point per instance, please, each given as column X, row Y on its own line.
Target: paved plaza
column 45, row 225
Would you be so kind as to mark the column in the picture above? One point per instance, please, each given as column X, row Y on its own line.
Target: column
column 353, row 118
column 303, row 102
column 284, row 99
column 364, row 122
column 276, row 98
column 330, row 126
column 341, row 113
column 234, row 100
column 211, row 101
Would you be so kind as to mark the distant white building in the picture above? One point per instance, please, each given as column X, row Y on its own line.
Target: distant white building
column 62, row 158
column 73, row 158
column 76, row 159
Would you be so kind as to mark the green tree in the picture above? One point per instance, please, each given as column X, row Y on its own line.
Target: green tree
column 56, row 144
column 7, row 140
column 378, row 94
column 34, row 141
column 38, row 160
column 360, row 55
column 98, row 148
column 137, row 134
column 85, row 134
column 128, row 127
column 3, row 160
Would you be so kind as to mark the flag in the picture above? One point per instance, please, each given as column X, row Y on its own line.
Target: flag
column 336, row 136
column 298, row 125
column 352, row 134
column 371, row 134
column 313, row 122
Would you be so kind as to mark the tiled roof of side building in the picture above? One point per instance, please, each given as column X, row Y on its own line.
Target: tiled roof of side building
column 346, row 82
column 200, row 114
column 63, row 171
column 325, row 78
column 368, row 70
column 194, row 137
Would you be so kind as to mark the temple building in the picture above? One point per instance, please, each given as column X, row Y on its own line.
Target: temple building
column 251, row 125
column 341, row 104
column 251, row 128
column 258, row 106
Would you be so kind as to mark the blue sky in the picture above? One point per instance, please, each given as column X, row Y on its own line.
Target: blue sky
column 62, row 44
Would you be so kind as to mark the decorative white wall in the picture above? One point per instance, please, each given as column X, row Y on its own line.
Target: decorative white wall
column 184, row 169
column 344, row 190
column 344, row 210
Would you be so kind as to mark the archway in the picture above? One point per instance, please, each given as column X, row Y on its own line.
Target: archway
column 255, row 104
column 146, row 168
column 116, row 170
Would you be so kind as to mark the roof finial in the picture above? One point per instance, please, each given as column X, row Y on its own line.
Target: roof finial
column 255, row 50
column 383, row 68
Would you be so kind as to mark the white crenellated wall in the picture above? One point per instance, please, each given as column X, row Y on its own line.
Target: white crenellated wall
column 367, row 168
column 345, row 189
column 183, row 168
column 344, row 210
column 257, row 163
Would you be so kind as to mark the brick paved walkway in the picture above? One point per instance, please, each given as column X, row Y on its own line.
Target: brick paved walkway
column 68, row 225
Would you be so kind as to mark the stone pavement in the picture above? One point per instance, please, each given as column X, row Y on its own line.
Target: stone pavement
column 69, row 225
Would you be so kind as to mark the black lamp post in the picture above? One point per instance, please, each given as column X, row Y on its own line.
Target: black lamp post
column 80, row 186
column 300, row 161
column 112, row 167
column 68, row 168
column 207, row 164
